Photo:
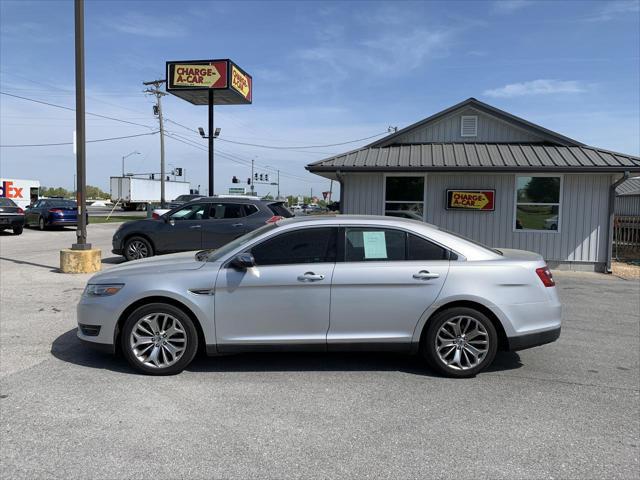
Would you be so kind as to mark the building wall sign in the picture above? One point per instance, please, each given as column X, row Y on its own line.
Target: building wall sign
column 480, row 200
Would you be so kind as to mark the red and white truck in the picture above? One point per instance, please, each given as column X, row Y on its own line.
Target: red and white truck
column 22, row 192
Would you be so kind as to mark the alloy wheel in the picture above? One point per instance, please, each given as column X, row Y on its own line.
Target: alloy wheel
column 137, row 249
column 158, row 340
column 462, row 342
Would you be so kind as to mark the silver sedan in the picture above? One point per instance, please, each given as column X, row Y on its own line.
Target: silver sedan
column 330, row 283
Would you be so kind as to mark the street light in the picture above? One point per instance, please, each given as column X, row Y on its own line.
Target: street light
column 128, row 155
column 216, row 132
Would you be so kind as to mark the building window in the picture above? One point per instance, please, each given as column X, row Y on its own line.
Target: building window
column 538, row 203
column 404, row 197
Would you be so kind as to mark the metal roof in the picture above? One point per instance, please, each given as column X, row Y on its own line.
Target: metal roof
column 548, row 135
column 629, row 187
column 479, row 157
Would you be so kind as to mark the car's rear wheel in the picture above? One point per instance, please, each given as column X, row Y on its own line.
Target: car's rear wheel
column 136, row 248
column 41, row 224
column 159, row 339
column 17, row 230
column 460, row 342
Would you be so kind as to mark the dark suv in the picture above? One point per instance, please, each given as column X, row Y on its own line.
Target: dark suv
column 200, row 224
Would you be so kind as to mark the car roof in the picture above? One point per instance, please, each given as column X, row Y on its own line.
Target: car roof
column 231, row 200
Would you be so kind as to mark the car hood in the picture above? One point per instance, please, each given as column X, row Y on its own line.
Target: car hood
column 155, row 265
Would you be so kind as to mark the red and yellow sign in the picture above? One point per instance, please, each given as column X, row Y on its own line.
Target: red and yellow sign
column 483, row 200
column 241, row 82
column 213, row 75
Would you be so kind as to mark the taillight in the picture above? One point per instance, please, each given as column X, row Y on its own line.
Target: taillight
column 20, row 211
column 545, row 275
column 55, row 210
column 155, row 216
column 274, row 219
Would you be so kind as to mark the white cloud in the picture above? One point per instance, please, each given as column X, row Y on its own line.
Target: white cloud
column 510, row 6
column 615, row 9
column 536, row 87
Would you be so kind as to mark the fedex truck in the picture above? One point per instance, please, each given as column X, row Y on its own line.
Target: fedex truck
column 22, row 192
column 135, row 193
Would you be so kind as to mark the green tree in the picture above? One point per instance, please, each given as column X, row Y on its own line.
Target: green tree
column 543, row 190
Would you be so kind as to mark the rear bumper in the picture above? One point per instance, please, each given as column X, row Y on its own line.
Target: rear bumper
column 12, row 221
column 62, row 221
column 530, row 340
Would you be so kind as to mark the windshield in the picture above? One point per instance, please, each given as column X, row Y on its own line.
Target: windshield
column 239, row 242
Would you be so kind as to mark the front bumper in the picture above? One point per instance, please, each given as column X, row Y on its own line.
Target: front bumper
column 101, row 318
column 531, row 340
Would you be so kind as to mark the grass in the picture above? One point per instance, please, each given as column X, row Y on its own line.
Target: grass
column 113, row 219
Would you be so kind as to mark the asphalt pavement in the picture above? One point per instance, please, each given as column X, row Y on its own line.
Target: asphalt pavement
column 570, row 409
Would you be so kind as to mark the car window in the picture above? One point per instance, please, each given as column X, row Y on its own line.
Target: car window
column 6, row 202
column 280, row 210
column 421, row 249
column 374, row 244
column 250, row 209
column 190, row 212
column 62, row 204
column 309, row 245
column 226, row 210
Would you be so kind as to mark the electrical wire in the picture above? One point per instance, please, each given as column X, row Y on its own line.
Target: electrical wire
column 71, row 143
column 73, row 110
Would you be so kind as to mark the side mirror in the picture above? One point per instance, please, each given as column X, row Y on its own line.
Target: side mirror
column 243, row 261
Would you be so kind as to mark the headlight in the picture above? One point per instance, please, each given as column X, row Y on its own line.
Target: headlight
column 102, row 290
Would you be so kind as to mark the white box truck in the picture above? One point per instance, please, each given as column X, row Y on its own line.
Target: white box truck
column 22, row 192
column 135, row 193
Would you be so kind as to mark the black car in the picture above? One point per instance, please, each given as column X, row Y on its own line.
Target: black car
column 11, row 216
column 182, row 199
column 51, row 212
column 200, row 224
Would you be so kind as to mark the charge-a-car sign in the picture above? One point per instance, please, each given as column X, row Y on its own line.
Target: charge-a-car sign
column 462, row 199
column 213, row 75
column 241, row 82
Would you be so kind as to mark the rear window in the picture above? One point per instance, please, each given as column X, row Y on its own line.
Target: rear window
column 62, row 203
column 5, row 202
column 280, row 210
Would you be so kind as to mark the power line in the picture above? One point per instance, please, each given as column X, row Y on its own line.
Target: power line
column 73, row 110
column 71, row 143
column 280, row 147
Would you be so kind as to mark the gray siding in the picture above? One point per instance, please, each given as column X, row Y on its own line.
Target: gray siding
column 628, row 205
column 362, row 194
column 584, row 213
column 490, row 129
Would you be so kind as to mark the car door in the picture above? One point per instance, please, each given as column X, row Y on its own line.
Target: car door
column 226, row 221
column 282, row 302
column 182, row 229
column 33, row 214
column 387, row 281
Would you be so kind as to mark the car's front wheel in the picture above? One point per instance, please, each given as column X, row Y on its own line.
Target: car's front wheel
column 136, row 248
column 159, row 339
column 460, row 342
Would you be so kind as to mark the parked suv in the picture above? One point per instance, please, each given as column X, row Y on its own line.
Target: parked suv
column 205, row 223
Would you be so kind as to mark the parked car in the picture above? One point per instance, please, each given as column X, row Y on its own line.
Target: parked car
column 326, row 283
column 182, row 199
column 51, row 212
column 11, row 216
column 209, row 222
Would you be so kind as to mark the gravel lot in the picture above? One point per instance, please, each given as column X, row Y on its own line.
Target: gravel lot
column 566, row 410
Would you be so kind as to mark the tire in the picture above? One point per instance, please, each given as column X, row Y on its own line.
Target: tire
column 18, row 230
column 136, row 248
column 453, row 352
column 177, row 351
column 41, row 224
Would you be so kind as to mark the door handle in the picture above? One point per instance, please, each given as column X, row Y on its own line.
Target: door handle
column 237, row 224
column 195, row 226
column 310, row 277
column 425, row 275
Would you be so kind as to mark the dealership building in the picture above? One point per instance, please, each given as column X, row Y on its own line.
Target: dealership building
column 486, row 174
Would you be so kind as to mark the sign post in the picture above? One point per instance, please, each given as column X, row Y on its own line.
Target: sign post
column 196, row 81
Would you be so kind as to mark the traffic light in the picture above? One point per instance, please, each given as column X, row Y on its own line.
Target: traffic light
column 235, row 179
column 255, row 176
column 249, row 181
column 178, row 171
column 261, row 177
column 266, row 177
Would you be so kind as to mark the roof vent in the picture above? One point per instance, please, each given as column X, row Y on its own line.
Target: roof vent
column 469, row 126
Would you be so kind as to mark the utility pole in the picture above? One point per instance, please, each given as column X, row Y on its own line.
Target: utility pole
column 159, row 94
column 81, row 153
column 278, row 184
column 210, row 141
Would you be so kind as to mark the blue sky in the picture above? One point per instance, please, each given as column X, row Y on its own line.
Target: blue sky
column 324, row 73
